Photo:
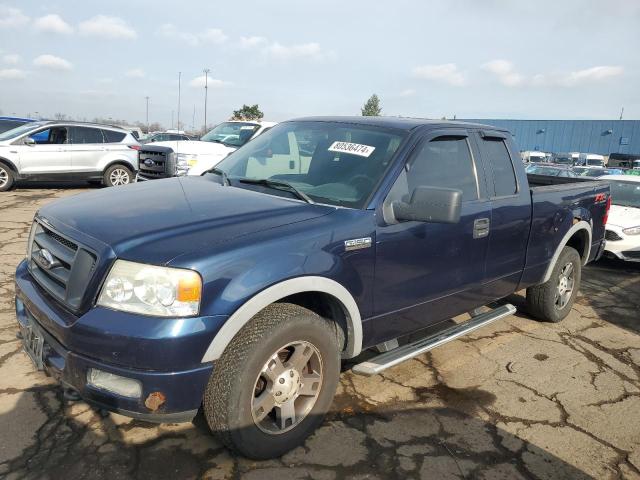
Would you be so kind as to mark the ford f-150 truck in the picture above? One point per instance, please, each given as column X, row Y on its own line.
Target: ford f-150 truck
column 194, row 157
column 240, row 291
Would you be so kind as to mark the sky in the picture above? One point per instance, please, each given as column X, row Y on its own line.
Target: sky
column 569, row 59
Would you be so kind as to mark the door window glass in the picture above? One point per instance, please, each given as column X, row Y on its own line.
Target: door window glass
column 444, row 162
column 504, row 177
column 84, row 135
column 51, row 136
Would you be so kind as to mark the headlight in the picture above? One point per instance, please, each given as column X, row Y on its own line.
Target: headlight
column 151, row 290
column 184, row 161
column 632, row 230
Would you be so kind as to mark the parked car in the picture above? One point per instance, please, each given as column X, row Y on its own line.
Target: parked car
column 563, row 159
column 624, row 160
column 591, row 160
column 623, row 228
column 8, row 123
column 238, row 292
column 534, row 157
column 166, row 137
column 64, row 151
column 178, row 158
column 550, row 170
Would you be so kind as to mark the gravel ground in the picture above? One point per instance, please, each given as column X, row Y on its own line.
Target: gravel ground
column 518, row 399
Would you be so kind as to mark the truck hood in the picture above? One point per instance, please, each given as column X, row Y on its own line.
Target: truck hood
column 197, row 147
column 153, row 222
column 624, row 217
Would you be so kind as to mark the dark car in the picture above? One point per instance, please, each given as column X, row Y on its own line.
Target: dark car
column 239, row 292
column 9, row 123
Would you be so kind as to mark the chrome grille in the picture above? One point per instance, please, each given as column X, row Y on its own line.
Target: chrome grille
column 60, row 266
column 154, row 164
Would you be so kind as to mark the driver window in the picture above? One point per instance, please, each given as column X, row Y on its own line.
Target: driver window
column 51, row 136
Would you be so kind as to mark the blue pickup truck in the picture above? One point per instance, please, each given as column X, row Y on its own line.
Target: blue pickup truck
column 240, row 291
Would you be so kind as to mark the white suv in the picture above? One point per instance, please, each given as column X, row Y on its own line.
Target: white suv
column 64, row 151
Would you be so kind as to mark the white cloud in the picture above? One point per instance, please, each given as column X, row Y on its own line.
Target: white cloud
column 11, row 17
column 252, row 42
column 51, row 62
column 135, row 73
column 591, row 75
column 12, row 74
column 11, row 59
column 53, row 24
column 447, row 73
column 211, row 35
column 505, row 72
column 107, row 27
column 198, row 82
column 308, row 51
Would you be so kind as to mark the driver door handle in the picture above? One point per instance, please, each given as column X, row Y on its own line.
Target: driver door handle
column 481, row 227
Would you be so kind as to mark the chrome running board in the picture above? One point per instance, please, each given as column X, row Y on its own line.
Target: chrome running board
column 398, row 355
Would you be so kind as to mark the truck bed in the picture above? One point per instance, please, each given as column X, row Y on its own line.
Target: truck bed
column 558, row 203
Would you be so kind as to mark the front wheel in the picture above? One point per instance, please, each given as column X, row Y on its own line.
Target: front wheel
column 6, row 178
column 117, row 175
column 274, row 383
column 552, row 301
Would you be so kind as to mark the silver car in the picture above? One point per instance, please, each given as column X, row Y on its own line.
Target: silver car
column 67, row 151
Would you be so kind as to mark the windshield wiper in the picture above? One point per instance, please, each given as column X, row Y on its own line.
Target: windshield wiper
column 223, row 174
column 278, row 185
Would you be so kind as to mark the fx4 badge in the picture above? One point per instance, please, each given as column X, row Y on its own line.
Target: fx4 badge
column 357, row 243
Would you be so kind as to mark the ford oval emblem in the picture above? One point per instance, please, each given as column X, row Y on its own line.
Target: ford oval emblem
column 148, row 162
column 45, row 259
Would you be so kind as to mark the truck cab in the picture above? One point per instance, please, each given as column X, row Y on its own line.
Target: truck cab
column 239, row 292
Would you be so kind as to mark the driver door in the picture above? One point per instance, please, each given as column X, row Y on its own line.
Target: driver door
column 49, row 155
column 428, row 272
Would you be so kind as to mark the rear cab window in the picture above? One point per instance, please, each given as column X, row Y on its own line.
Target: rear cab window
column 502, row 175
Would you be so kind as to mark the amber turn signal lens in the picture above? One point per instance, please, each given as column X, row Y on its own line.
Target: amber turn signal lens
column 189, row 288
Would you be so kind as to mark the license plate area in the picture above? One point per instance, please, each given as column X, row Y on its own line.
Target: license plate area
column 33, row 342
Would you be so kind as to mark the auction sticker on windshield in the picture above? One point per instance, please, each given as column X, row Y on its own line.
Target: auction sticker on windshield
column 352, row 148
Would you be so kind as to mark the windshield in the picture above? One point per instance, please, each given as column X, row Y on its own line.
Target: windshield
column 330, row 162
column 533, row 159
column 595, row 162
column 21, row 130
column 563, row 160
column 234, row 134
column 625, row 193
column 636, row 164
column 549, row 171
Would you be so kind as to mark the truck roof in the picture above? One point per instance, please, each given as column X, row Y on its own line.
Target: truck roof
column 402, row 123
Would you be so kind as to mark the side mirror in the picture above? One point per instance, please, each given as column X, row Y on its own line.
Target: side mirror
column 430, row 204
column 29, row 141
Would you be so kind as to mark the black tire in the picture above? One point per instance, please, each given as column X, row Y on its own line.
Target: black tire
column 117, row 171
column 231, row 388
column 542, row 300
column 7, row 178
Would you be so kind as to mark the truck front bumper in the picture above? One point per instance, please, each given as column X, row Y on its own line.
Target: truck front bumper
column 165, row 394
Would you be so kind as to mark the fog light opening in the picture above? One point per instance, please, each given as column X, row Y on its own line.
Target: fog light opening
column 126, row 387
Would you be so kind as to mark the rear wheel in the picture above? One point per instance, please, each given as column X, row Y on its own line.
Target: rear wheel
column 552, row 300
column 275, row 381
column 117, row 175
column 6, row 178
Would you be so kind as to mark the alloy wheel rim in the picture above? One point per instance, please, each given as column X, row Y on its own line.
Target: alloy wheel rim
column 119, row 177
column 287, row 387
column 4, row 177
column 566, row 284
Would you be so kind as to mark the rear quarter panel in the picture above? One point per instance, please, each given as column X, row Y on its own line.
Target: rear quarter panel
column 555, row 209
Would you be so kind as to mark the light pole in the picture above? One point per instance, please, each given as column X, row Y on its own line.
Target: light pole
column 206, row 88
column 147, row 99
column 179, row 78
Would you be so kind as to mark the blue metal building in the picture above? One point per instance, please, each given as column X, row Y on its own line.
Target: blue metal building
column 587, row 136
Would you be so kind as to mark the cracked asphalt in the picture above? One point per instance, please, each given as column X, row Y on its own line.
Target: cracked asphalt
column 517, row 399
